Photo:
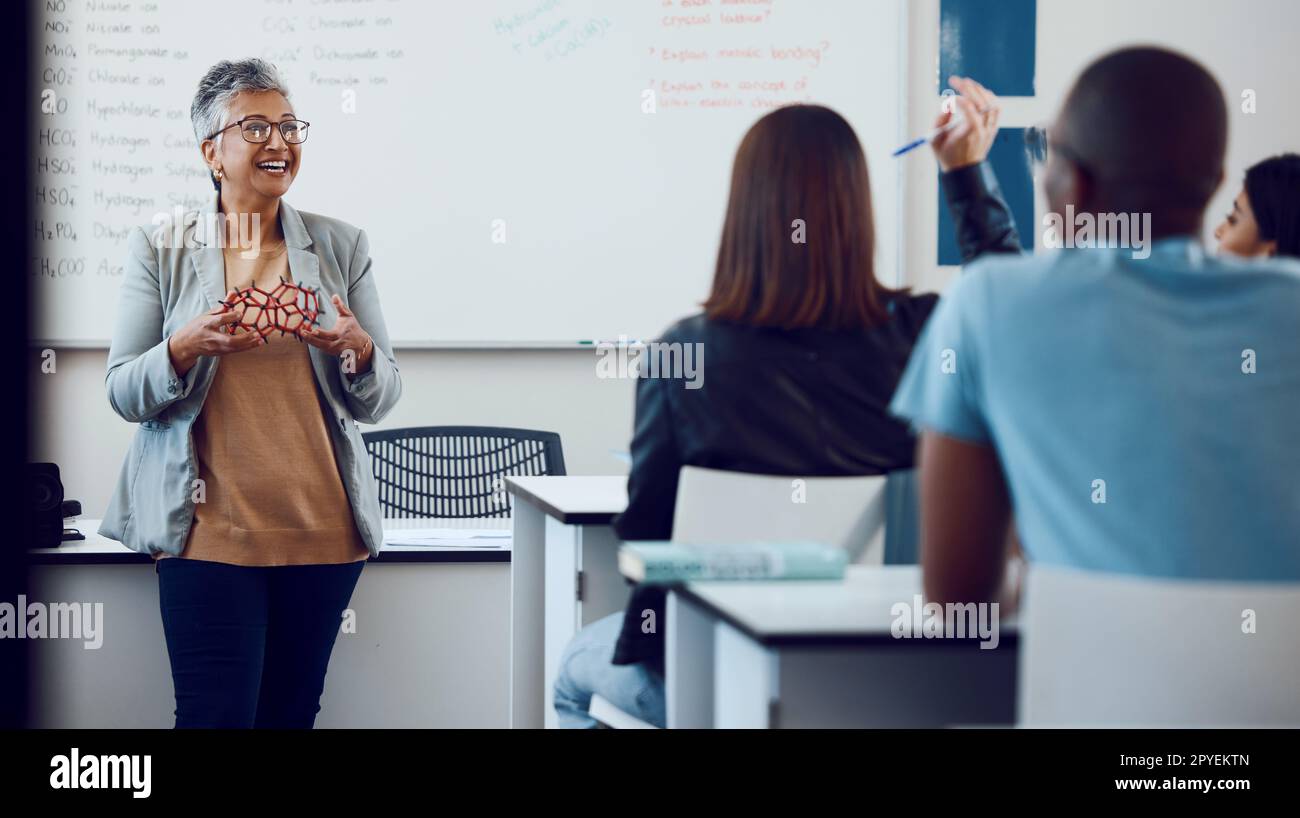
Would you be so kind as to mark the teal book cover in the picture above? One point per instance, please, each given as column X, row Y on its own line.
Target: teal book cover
column 667, row 563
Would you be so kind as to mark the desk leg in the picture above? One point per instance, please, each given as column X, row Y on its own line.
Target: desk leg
column 546, row 608
column 527, row 605
column 572, row 550
column 745, row 681
column 604, row 590
column 688, row 666
column 561, row 606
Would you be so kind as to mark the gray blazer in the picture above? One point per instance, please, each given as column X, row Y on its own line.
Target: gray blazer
column 169, row 282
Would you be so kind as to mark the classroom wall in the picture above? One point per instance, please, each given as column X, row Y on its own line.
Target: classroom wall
column 558, row 390
column 553, row 390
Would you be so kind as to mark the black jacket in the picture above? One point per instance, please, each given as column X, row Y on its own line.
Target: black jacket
column 807, row 403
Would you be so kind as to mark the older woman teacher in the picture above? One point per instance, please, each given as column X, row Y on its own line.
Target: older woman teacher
column 247, row 479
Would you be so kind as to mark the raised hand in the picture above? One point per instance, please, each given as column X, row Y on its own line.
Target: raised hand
column 969, row 142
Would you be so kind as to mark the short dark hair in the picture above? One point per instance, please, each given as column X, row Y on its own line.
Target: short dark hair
column 1273, row 187
column 799, row 168
column 1153, row 125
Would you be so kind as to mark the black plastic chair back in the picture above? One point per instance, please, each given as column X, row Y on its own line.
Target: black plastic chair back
column 456, row 471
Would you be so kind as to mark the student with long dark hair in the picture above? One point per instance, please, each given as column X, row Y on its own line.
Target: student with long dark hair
column 1265, row 217
column 804, row 348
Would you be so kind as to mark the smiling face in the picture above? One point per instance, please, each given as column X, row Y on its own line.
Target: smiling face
column 1238, row 235
column 253, row 171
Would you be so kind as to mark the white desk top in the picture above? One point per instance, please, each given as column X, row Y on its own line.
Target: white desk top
column 858, row 609
column 97, row 548
column 95, row 543
column 580, row 499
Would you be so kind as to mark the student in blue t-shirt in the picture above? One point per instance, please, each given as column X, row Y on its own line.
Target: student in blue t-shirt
column 1135, row 406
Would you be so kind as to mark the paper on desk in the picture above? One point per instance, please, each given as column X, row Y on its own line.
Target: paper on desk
column 448, row 537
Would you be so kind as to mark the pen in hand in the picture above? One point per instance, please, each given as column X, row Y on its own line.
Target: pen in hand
column 957, row 119
column 971, row 117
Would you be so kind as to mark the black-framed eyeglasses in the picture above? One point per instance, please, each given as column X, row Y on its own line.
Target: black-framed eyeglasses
column 1040, row 145
column 258, row 131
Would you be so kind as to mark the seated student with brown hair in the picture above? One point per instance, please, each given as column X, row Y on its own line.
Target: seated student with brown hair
column 803, row 345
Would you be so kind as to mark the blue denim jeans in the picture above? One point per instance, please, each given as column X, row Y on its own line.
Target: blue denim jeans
column 585, row 669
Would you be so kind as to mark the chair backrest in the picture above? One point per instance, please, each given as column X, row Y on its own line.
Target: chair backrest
column 456, row 471
column 725, row 507
column 1099, row 650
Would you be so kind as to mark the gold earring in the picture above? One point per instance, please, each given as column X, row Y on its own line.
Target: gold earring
column 218, row 173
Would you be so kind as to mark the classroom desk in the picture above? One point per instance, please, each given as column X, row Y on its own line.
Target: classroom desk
column 429, row 648
column 820, row 654
column 563, row 575
column 97, row 549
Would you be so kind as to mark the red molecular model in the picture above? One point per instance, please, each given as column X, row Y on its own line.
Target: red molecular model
column 286, row 309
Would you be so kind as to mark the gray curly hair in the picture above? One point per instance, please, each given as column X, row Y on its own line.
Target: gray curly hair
column 211, row 106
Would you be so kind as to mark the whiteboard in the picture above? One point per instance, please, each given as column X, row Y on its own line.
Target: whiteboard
column 499, row 154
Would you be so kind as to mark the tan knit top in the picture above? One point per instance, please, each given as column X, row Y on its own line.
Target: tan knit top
column 274, row 494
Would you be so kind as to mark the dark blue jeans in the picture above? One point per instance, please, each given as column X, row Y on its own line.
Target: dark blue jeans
column 249, row 646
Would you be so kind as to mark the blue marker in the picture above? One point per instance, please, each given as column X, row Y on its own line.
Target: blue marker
column 956, row 120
